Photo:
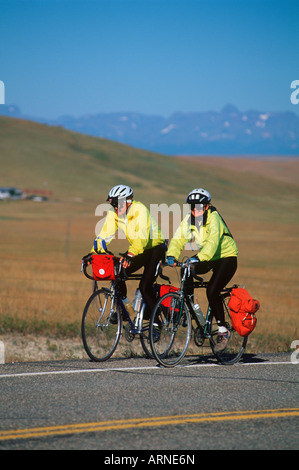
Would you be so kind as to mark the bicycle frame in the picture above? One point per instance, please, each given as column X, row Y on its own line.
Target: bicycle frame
column 185, row 298
column 171, row 325
column 110, row 316
column 136, row 325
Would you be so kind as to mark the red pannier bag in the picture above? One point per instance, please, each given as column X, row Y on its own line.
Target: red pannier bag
column 164, row 289
column 103, row 267
column 242, row 309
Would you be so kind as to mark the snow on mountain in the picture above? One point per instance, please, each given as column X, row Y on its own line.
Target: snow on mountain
column 227, row 132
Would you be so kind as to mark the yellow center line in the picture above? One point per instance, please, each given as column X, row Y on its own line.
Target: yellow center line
column 145, row 422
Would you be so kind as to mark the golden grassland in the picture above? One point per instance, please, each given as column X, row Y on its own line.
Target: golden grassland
column 42, row 290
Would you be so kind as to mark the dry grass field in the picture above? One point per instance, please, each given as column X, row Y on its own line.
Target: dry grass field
column 42, row 290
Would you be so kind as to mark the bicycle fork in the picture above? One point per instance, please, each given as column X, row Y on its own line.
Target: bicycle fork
column 176, row 314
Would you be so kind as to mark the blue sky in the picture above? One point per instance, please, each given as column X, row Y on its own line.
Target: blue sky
column 150, row 56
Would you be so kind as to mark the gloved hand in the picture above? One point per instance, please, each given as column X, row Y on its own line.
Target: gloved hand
column 171, row 261
column 87, row 259
column 126, row 259
column 192, row 260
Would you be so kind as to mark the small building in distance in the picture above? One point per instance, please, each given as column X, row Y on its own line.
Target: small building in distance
column 11, row 193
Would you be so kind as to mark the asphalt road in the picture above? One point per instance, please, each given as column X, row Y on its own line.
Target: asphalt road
column 133, row 404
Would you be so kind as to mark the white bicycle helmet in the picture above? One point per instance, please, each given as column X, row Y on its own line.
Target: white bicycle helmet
column 199, row 196
column 119, row 192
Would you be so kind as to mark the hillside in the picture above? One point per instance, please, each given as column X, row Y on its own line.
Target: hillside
column 225, row 132
column 77, row 167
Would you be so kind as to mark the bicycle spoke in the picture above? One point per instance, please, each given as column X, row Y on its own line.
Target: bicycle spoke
column 236, row 344
column 145, row 342
column 101, row 325
column 170, row 330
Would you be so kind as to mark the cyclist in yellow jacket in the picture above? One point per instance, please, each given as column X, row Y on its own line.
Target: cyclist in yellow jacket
column 147, row 244
column 217, row 251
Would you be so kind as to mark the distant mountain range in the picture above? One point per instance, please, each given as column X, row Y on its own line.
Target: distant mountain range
column 227, row 132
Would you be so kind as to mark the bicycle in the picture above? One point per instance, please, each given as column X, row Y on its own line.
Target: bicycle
column 171, row 326
column 103, row 315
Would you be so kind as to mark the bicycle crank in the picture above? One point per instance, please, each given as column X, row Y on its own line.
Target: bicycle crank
column 128, row 333
column 198, row 337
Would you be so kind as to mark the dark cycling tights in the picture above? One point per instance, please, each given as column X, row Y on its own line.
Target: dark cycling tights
column 149, row 259
column 223, row 271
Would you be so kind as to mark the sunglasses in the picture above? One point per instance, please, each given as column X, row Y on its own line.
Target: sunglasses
column 198, row 207
column 117, row 203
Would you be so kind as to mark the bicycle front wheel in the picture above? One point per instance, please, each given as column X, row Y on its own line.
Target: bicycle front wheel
column 170, row 330
column 145, row 343
column 101, row 325
column 236, row 344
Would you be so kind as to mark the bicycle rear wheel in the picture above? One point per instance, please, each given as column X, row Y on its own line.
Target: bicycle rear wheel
column 236, row 344
column 170, row 330
column 101, row 325
column 145, row 343
column 144, row 335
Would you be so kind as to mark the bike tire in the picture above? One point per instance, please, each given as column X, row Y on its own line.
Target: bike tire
column 100, row 332
column 170, row 330
column 236, row 344
column 145, row 343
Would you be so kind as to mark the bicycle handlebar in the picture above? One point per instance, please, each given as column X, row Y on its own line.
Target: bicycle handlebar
column 123, row 274
column 186, row 266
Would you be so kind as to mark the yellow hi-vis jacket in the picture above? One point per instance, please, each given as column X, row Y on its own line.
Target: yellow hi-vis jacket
column 139, row 227
column 213, row 239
